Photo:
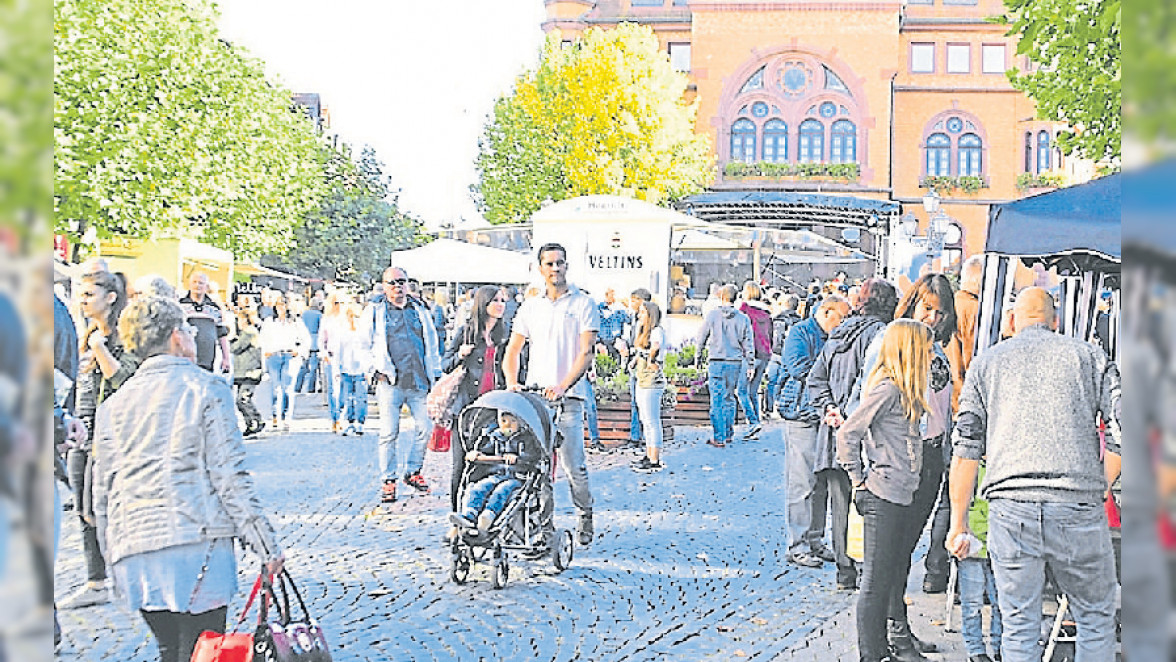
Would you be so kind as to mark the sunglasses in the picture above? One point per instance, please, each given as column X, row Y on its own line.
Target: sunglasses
column 396, row 281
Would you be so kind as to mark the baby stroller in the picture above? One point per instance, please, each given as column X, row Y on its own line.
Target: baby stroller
column 522, row 524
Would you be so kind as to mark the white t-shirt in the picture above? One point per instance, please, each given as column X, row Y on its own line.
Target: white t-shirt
column 554, row 329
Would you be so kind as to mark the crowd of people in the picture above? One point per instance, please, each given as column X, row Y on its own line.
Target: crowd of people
column 882, row 402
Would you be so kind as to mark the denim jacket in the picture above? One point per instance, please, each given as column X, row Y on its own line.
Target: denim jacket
column 801, row 347
column 169, row 465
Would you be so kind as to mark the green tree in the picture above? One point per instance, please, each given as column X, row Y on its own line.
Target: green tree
column 1079, row 82
column 161, row 128
column 605, row 115
column 352, row 234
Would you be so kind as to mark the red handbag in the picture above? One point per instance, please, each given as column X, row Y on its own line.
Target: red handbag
column 230, row 646
column 441, row 439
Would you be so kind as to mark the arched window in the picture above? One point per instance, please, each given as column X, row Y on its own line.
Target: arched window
column 743, row 141
column 775, row 141
column 938, row 155
column 1042, row 152
column 812, row 141
column 843, row 142
column 971, row 155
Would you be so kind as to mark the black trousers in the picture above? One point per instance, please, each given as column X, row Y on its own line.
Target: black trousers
column 923, row 502
column 884, row 526
column 245, row 388
column 840, row 491
column 176, row 633
column 95, row 564
column 938, row 561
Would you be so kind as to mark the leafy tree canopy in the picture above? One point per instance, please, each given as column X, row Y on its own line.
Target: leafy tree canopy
column 605, row 115
column 353, row 232
column 1077, row 44
column 163, row 129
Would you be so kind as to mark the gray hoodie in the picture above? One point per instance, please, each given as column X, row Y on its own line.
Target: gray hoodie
column 726, row 334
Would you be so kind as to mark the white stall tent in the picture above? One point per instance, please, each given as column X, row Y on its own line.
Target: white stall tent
column 451, row 261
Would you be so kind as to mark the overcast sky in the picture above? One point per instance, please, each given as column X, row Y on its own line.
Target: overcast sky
column 413, row 78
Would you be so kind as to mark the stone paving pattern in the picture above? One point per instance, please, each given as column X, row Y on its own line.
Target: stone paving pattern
column 687, row 564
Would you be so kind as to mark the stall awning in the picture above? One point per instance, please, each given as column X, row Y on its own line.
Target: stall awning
column 254, row 269
column 451, row 261
column 788, row 207
column 1069, row 221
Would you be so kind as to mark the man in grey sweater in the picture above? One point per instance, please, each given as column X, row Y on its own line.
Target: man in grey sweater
column 1030, row 408
column 726, row 334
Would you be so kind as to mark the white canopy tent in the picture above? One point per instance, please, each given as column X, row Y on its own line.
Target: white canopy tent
column 451, row 261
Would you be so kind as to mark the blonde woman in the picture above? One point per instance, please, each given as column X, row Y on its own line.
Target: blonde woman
column 352, row 365
column 651, row 383
column 885, row 427
column 333, row 323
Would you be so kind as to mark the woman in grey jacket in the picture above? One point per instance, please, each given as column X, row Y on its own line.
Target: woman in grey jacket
column 170, row 489
column 886, row 428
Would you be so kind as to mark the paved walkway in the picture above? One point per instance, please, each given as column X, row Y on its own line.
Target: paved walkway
column 687, row 564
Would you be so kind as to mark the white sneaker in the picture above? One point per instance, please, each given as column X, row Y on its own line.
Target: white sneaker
column 91, row 594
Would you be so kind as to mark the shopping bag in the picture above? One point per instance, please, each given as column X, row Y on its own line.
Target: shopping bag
column 288, row 639
column 442, row 398
column 230, row 646
column 441, row 439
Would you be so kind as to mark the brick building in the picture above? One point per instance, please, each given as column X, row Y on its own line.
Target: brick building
column 851, row 100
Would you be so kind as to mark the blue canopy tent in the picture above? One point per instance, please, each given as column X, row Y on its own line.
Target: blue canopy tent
column 1075, row 230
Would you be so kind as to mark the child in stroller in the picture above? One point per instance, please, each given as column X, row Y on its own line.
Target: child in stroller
column 508, row 441
column 511, row 451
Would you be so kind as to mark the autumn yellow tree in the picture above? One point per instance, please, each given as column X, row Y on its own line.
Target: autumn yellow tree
column 603, row 115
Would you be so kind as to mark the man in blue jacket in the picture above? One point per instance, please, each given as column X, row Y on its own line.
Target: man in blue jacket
column 801, row 347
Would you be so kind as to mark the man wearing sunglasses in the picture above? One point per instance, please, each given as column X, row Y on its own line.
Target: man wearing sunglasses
column 561, row 325
column 398, row 331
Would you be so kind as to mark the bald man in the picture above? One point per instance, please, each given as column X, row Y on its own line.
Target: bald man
column 1030, row 409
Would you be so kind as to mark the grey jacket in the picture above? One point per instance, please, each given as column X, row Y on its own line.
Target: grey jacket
column 1031, row 406
column 892, row 443
column 169, row 465
column 373, row 327
column 726, row 334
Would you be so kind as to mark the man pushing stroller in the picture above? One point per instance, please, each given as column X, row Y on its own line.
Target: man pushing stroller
column 509, row 452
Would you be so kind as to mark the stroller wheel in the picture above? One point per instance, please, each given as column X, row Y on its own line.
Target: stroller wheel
column 501, row 573
column 460, row 572
column 563, row 550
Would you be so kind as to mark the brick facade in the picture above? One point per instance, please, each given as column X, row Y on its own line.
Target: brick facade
column 873, row 49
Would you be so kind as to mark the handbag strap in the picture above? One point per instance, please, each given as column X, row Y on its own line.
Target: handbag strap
column 200, row 577
column 249, row 603
column 285, row 579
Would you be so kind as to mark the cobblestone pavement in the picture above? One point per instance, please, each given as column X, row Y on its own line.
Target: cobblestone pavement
column 687, row 564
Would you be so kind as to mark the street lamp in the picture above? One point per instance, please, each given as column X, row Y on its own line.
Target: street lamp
column 931, row 202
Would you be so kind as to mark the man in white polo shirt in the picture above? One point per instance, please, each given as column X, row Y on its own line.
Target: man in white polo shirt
column 561, row 326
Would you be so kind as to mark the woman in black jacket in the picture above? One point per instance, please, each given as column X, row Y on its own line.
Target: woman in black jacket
column 478, row 346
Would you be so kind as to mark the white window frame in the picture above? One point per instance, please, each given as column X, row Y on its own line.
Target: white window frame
column 988, row 56
column 916, row 48
column 954, row 64
column 678, row 51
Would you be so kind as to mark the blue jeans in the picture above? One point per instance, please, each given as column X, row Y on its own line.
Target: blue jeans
column 332, row 385
column 749, row 390
column 649, row 409
column 308, row 375
column 353, row 397
column 773, row 374
column 1075, row 541
column 590, row 414
column 280, row 368
column 975, row 580
column 390, row 399
column 490, row 494
column 634, row 418
column 723, row 382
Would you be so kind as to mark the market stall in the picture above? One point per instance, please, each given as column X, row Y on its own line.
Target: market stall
column 451, row 261
column 1074, row 231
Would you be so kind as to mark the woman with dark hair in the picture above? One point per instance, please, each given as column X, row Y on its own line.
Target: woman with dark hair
column 285, row 343
column 761, row 330
column 170, row 487
column 103, row 368
column 830, row 387
column 477, row 345
column 931, row 301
